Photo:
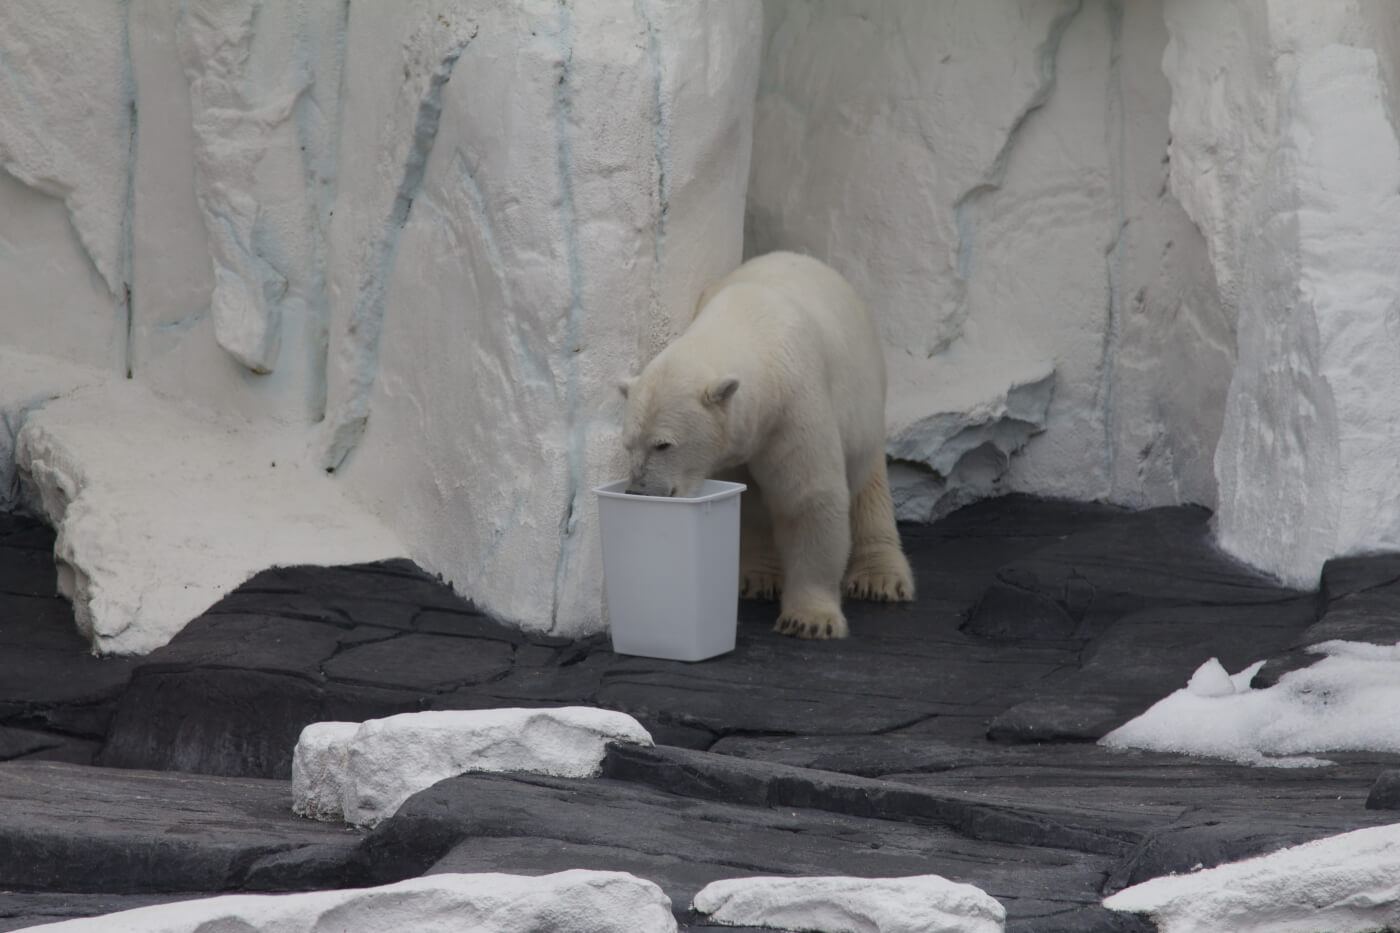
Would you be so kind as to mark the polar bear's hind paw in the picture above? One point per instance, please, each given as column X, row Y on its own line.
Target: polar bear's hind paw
column 882, row 577
column 879, row 587
column 812, row 624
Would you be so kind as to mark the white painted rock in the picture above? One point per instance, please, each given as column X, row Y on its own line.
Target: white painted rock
column 954, row 423
column 989, row 177
column 919, row 904
column 421, row 240
column 530, row 198
column 162, row 510
column 566, row 902
column 363, row 772
column 66, row 141
column 1342, row 884
column 27, row 383
column 1285, row 153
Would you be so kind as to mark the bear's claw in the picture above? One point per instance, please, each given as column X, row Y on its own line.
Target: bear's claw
column 759, row 585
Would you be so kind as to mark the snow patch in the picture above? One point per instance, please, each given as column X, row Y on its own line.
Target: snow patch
column 918, row 904
column 363, row 772
column 1349, row 883
column 1343, row 702
column 566, row 902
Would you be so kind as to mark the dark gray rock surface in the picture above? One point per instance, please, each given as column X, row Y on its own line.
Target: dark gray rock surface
column 1385, row 793
column 953, row 735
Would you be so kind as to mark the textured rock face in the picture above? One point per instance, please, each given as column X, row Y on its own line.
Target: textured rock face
column 425, row 239
column 564, row 902
column 1285, row 154
column 990, row 177
column 560, row 230
column 65, row 137
column 363, row 772
column 420, row 241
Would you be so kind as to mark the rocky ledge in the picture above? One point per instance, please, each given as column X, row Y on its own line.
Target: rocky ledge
column 954, row 736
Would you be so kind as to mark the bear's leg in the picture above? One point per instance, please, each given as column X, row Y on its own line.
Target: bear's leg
column 813, row 541
column 760, row 571
column 878, row 568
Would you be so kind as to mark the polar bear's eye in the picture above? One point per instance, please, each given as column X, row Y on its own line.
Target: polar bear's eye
column 661, row 445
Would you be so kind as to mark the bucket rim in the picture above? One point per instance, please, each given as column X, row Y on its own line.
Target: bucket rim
column 614, row 490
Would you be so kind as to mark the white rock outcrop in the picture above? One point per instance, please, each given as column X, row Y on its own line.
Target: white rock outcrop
column 540, row 191
column 1348, row 883
column 952, row 453
column 918, row 904
column 363, row 772
column 566, row 902
column 161, row 509
column 1285, row 154
column 66, row 125
column 27, row 383
column 990, row 177
column 417, row 242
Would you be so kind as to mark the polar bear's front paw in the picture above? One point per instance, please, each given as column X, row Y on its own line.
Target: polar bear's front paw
column 812, row 623
column 884, row 577
column 759, row 585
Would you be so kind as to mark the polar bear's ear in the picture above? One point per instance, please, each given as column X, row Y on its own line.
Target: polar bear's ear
column 720, row 391
column 625, row 386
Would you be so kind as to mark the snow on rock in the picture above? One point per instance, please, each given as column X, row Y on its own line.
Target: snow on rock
column 161, row 510
column 565, row 902
column 1285, row 153
column 1343, row 702
column 918, row 904
column 1349, row 883
column 363, row 772
column 990, row 178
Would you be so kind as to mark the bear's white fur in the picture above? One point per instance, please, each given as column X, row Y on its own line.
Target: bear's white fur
column 780, row 382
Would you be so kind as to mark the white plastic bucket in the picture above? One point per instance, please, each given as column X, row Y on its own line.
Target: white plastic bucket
column 671, row 570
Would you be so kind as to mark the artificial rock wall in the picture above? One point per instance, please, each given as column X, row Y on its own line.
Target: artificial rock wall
column 1139, row 251
column 1283, row 122
column 993, row 179
column 419, row 243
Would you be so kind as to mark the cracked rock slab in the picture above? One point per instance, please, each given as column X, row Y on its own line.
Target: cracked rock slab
column 363, row 772
column 66, row 827
column 534, row 824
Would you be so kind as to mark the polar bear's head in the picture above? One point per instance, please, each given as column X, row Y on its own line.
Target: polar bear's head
column 674, row 426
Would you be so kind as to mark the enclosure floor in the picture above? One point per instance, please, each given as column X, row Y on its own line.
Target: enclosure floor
column 953, row 735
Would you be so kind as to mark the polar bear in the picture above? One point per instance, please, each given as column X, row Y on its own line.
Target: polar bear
column 779, row 382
